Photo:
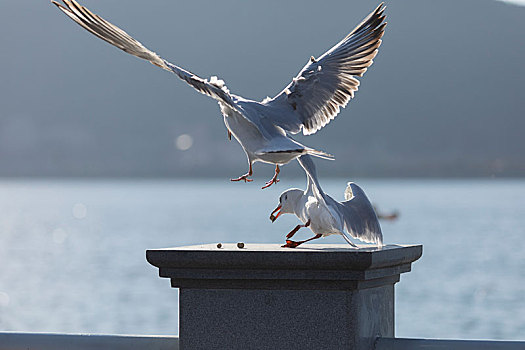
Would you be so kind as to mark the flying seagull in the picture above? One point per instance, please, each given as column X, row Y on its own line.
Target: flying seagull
column 324, row 215
column 311, row 100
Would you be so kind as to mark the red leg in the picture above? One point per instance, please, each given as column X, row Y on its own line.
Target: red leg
column 294, row 231
column 293, row 244
column 245, row 176
column 274, row 178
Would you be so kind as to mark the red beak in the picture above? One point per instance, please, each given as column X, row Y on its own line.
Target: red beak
column 274, row 217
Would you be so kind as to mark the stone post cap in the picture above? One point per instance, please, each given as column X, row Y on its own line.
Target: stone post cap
column 268, row 266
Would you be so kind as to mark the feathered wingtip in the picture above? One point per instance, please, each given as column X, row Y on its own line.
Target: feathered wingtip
column 376, row 16
column 365, row 226
column 348, row 191
column 60, row 6
column 380, row 8
column 353, row 189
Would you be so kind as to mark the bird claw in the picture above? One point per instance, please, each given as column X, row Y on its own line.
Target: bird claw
column 244, row 177
column 269, row 183
column 290, row 244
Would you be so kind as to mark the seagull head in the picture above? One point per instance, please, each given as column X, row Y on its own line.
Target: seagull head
column 287, row 202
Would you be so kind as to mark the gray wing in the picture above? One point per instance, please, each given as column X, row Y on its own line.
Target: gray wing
column 326, row 84
column 106, row 31
column 359, row 216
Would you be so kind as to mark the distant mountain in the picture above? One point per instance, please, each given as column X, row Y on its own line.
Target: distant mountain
column 515, row 2
column 443, row 98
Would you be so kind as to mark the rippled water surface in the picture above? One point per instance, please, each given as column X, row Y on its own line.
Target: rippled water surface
column 72, row 253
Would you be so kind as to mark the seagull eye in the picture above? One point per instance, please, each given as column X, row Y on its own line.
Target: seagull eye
column 285, row 196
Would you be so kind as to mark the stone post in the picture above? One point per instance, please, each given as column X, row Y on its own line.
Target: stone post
column 263, row 296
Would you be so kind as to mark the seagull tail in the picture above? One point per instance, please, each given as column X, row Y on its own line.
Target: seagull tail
column 320, row 154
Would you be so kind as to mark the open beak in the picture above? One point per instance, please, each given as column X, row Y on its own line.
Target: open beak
column 274, row 217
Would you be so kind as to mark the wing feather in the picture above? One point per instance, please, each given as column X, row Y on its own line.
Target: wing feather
column 326, row 84
column 359, row 215
column 112, row 34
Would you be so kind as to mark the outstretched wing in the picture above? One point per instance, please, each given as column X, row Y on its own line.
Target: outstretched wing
column 326, row 84
column 106, row 31
column 359, row 216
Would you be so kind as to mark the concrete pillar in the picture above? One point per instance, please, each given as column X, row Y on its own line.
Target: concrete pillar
column 267, row 297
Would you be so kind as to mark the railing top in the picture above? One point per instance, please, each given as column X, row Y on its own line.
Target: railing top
column 54, row 341
column 272, row 256
column 446, row 344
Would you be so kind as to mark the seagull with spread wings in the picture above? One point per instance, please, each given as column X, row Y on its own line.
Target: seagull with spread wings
column 264, row 129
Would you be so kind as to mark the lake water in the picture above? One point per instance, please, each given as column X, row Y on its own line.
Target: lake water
column 72, row 253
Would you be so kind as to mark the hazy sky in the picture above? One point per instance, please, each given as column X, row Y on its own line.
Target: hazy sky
column 443, row 98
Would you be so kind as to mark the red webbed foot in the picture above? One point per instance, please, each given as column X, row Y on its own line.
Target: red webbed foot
column 274, row 179
column 243, row 177
column 291, row 244
column 271, row 182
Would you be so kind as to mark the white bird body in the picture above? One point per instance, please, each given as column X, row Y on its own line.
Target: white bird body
column 264, row 129
column 265, row 142
column 355, row 217
column 323, row 219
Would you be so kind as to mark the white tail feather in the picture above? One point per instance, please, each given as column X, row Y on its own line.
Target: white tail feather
column 320, row 154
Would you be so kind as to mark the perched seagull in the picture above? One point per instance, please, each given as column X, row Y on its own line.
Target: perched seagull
column 324, row 215
column 263, row 129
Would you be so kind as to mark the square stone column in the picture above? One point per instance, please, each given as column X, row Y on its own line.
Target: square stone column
column 267, row 297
